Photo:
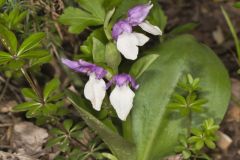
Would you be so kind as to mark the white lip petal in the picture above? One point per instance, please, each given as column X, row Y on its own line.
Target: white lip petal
column 142, row 39
column 95, row 90
column 121, row 99
column 154, row 30
column 127, row 44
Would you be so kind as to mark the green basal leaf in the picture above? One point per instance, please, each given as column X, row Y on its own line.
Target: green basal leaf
column 121, row 148
column 152, row 121
column 142, row 64
column 98, row 51
column 8, row 39
column 31, row 42
column 4, row 57
column 112, row 56
column 50, row 87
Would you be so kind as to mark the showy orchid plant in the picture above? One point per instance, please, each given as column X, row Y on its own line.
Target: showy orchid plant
column 139, row 84
column 127, row 43
column 137, row 100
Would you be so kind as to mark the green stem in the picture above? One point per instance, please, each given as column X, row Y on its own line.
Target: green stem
column 32, row 84
column 189, row 123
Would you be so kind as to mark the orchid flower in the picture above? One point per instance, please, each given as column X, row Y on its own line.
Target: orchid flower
column 137, row 16
column 127, row 40
column 122, row 96
column 95, row 88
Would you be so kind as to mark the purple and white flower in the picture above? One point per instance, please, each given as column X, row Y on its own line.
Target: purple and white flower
column 129, row 41
column 95, row 88
column 122, row 96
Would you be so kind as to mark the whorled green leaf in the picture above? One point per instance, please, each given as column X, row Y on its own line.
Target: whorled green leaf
column 8, row 39
column 31, row 42
column 50, row 87
column 4, row 57
column 29, row 93
column 155, row 127
column 121, row 148
column 26, row 106
column 39, row 61
column 142, row 64
column 38, row 53
column 68, row 124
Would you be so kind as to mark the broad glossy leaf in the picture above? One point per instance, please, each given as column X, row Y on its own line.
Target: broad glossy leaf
column 155, row 128
column 31, row 42
column 121, row 148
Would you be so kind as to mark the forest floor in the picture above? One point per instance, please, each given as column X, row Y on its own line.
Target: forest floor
column 211, row 30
